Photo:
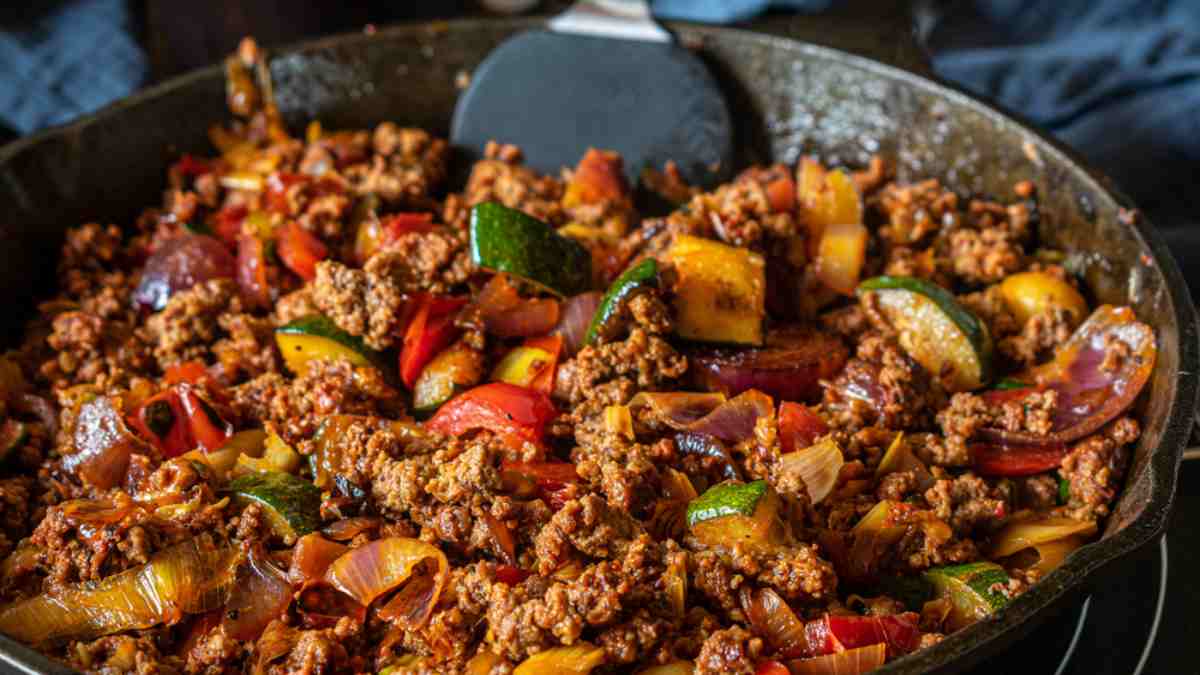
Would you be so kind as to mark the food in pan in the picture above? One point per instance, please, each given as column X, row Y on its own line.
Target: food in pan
column 321, row 411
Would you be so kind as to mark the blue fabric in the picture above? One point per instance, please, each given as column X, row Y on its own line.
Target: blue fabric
column 73, row 59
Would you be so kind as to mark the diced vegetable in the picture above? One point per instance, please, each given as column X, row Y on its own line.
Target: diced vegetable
column 1005, row 459
column 315, row 337
column 577, row 659
column 205, row 426
column 507, row 240
column 1009, row 384
column 430, row 331
column 790, row 367
column 1021, row 534
column 913, row 591
column 879, row 529
column 672, row 668
column 516, row 412
column 799, row 426
column 506, row 314
column 300, row 250
column 900, row 458
column 771, row 668
column 103, row 445
column 936, row 331
column 1091, row 388
column 636, row 279
column 13, row 434
column 454, row 370
column 818, row 465
column 841, row 256
column 545, row 479
column 719, row 291
column 1029, row 293
column 731, row 420
column 292, row 505
column 856, row 661
column 575, row 318
column 733, row 513
column 368, row 230
column 597, row 178
column 261, row 594
column 619, row 421
column 837, row 632
column 369, row 571
column 523, row 365
column 311, row 557
column 826, row 198
column 277, row 456
column 191, row 577
column 975, row 590
column 180, row 263
column 483, row 662
column 773, row 619
column 252, row 271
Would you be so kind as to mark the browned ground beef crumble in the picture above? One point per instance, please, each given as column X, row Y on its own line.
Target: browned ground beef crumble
column 596, row 556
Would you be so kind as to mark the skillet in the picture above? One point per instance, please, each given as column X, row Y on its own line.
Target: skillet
column 788, row 98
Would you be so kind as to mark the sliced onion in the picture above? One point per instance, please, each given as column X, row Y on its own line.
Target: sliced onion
column 180, row 263
column 579, row 658
column 678, row 409
column 261, row 594
column 277, row 641
column 39, row 407
column 367, row 572
column 577, row 313
column 192, row 577
column 730, row 420
column 506, row 314
column 706, row 445
column 503, row 536
column 1024, row 534
column 103, row 444
column 1088, row 395
column 773, row 619
column 349, row 528
column 850, row 662
column 1051, row 554
column 311, row 557
column 818, row 465
column 789, row 368
column 799, row 427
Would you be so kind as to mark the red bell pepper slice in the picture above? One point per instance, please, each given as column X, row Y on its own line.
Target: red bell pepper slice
column 300, row 250
column 192, row 372
column 192, row 166
column 998, row 459
column 278, row 185
column 799, row 426
column 206, row 426
column 771, row 668
column 177, row 419
column 511, row 575
column 430, row 331
column 839, row 632
column 516, row 412
column 228, row 223
column 551, row 478
column 252, row 271
column 399, row 224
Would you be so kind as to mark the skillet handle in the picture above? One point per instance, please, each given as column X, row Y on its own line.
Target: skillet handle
column 892, row 32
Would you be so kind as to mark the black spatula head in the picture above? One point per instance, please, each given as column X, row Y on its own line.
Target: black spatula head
column 556, row 94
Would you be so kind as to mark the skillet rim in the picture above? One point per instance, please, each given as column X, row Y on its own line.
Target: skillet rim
column 966, row 647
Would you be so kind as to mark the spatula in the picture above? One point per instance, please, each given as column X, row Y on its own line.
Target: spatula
column 604, row 75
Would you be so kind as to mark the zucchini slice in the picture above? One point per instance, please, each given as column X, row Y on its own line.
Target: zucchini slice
column 454, row 370
column 13, row 435
column 731, row 513
column 292, row 505
column 315, row 337
column 936, row 331
column 975, row 590
column 719, row 291
column 507, row 240
column 633, row 280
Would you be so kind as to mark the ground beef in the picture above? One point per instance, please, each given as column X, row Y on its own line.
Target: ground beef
column 881, row 386
column 360, row 305
column 299, row 303
column 189, row 325
column 915, row 211
column 119, row 654
column 968, row 413
column 499, row 178
column 1039, row 493
column 969, row 504
column 88, row 253
column 733, row 651
column 249, row 350
column 91, row 349
column 407, row 166
column 436, row 262
column 1095, row 467
column 587, row 526
column 1039, row 337
column 612, row 373
column 984, row 256
column 71, row 550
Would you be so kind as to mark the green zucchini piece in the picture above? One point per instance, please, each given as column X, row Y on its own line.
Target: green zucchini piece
column 975, row 590
column 315, row 337
column 913, row 591
column 1007, row 384
column 507, row 240
column 726, row 499
column 736, row 513
column 292, row 505
column 454, row 370
column 1064, row 491
column 13, row 435
column 633, row 280
column 936, row 331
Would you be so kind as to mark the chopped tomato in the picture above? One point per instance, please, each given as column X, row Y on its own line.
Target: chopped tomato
column 300, row 250
column 398, row 224
column 996, row 459
column 511, row 575
column 278, row 185
column 838, row 632
column 799, row 426
column 252, row 271
column 781, row 194
column 552, row 345
column 430, row 331
column 228, row 225
column 516, row 412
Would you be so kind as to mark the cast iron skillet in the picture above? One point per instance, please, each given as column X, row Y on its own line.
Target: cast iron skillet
column 789, row 98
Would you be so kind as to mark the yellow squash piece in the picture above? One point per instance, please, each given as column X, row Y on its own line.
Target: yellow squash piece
column 315, row 337
column 1030, row 293
column 522, row 365
column 577, row 659
column 719, row 291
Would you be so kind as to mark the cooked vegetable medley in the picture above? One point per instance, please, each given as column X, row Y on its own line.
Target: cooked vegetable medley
column 322, row 412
